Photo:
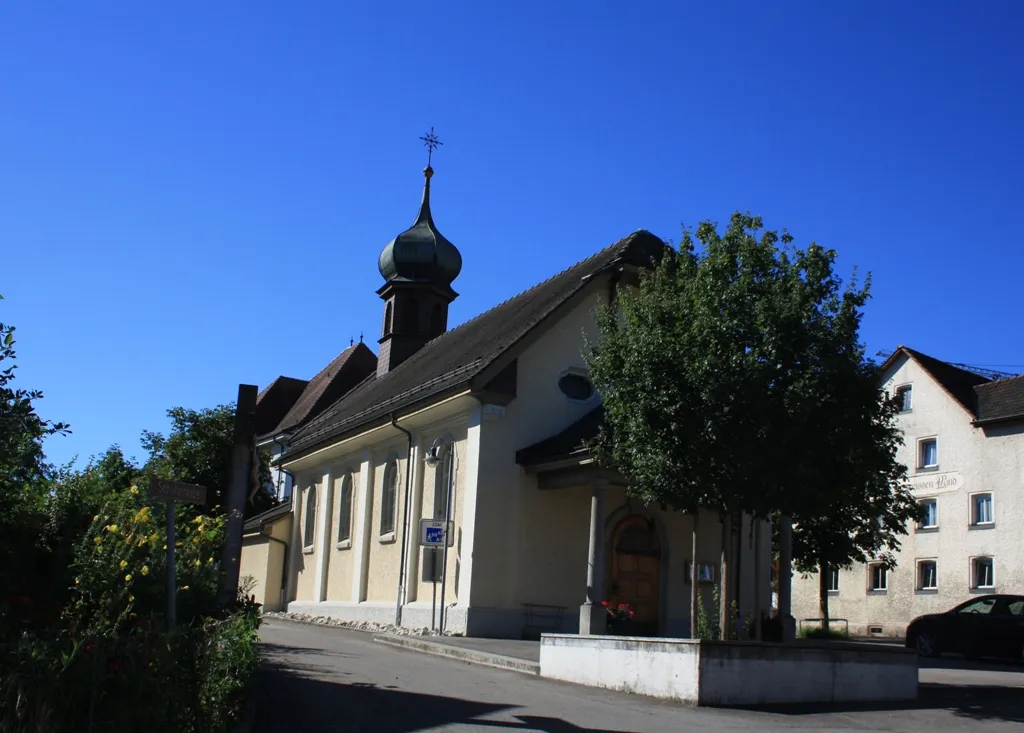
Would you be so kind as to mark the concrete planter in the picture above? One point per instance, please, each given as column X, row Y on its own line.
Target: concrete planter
column 732, row 673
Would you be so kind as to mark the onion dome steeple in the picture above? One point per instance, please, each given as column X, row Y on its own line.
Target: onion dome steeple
column 421, row 254
column 418, row 267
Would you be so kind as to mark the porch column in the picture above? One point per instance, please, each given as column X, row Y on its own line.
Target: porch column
column 593, row 618
column 786, row 579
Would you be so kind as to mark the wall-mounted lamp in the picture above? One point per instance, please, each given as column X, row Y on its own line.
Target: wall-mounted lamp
column 436, row 453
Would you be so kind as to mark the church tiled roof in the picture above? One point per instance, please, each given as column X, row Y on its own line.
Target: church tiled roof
column 274, row 402
column 347, row 370
column 451, row 361
column 574, row 441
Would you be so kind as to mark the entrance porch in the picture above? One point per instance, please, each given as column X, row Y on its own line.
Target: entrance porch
column 641, row 556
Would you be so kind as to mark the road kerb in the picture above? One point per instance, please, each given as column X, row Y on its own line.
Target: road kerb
column 460, row 653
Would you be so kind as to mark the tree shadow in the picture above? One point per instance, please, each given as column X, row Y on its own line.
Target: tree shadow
column 977, row 702
column 290, row 701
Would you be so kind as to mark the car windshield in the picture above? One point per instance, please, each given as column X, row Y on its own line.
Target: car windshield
column 983, row 605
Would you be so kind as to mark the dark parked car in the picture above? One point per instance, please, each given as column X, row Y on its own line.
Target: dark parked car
column 986, row 626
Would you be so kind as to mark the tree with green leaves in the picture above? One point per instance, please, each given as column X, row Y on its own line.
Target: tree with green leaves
column 198, row 451
column 718, row 374
column 25, row 476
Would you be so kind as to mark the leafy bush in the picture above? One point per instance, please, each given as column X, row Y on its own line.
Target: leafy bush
column 120, row 566
column 188, row 681
column 817, row 632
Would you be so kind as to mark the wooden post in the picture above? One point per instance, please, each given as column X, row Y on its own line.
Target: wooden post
column 786, row 578
column 172, row 583
column 758, row 571
column 694, row 592
column 238, row 490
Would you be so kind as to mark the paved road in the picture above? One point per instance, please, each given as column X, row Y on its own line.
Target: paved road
column 319, row 679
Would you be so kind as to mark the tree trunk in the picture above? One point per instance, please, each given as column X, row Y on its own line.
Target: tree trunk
column 723, row 580
column 694, row 592
column 823, row 593
column 758, row 574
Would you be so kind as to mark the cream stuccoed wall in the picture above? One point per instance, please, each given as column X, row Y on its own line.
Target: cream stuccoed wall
column 531, row 544
column 341, row 558
column 263, row 560
column 305, row 557
column 971, row 459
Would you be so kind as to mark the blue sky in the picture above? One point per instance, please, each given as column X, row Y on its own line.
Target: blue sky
column 195, row 194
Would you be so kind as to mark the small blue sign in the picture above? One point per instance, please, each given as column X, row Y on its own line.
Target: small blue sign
column 435, row 535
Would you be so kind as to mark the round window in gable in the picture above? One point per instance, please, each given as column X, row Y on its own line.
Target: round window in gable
column 576, row 387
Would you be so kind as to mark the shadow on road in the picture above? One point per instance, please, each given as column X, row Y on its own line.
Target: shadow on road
column 976, row 702
column 292, row 701
column 981, row 665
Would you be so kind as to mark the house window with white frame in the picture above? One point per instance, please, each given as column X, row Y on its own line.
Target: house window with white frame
column 389, row 498
column 929, row 517
column 928, row 453
column 309, row 520
column 981, row 509
column 878, row 577
column 833, row 580
column 904, row 395
column 345, row 510
column 982, row 573
column 927, row 575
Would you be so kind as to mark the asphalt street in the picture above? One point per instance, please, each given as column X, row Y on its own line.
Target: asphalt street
column 321, row 679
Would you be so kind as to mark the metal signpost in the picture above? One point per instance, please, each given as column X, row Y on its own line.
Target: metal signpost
column 433, row 534
column 172, row 491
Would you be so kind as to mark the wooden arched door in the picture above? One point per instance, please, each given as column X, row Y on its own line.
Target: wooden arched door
column 635, row 571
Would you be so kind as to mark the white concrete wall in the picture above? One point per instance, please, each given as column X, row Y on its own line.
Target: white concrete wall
column 717, row 673
column 971, row 459
column 666, row 669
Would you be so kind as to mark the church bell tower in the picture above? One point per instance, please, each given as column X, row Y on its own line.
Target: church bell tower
column 418, row 267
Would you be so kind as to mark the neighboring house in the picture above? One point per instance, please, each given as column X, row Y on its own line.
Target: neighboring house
column 541, row 534
column 964, row 448
column 302, row 401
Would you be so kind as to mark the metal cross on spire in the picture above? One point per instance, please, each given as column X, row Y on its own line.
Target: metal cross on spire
column 432, row 142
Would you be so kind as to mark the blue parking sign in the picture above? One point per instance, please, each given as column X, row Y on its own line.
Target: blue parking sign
column 435, row 535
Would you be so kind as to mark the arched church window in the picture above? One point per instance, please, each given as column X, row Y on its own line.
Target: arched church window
column 389, row 497
column 387, row 318
column 345, row 509
column 442, row 482
column 309, row 520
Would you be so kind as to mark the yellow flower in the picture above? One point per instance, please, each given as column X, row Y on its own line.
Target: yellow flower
column 165, row 547
column 209, row 560
column 128, row 578
column 184, row 587
column 143, row 514
column 154, row 537
column 145, row 570
column 124, row 564
column 97, row 540
column 112, row 528
column 131, row 598
column 197, row 563
column 195, row 540
column 197, row 520
column 134, row 489
column 95, row 517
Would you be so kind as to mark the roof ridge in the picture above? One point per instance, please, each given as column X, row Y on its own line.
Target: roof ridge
column 1000, row 381
column 624, row 241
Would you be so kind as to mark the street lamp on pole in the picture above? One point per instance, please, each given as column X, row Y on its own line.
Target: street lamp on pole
column 435, row 457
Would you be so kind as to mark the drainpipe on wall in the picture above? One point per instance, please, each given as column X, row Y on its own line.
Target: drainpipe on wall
column 405, row 523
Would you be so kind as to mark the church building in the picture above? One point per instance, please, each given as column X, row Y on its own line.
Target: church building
column 482, row 430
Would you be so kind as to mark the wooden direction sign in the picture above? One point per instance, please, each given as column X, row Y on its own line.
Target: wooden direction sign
column 176, row 491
